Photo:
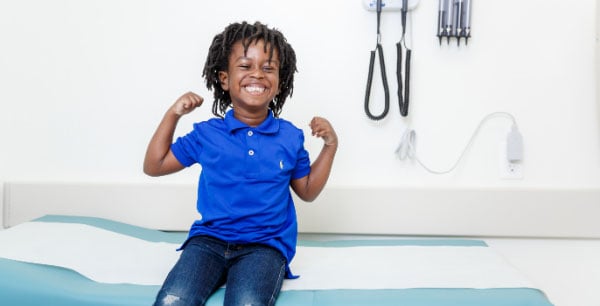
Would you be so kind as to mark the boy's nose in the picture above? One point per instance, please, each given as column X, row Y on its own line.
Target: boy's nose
column 258, row 73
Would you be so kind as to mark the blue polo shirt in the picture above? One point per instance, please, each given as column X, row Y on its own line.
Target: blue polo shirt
column 244, row 187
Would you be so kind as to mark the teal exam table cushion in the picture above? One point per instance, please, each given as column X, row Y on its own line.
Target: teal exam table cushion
column 35, row 284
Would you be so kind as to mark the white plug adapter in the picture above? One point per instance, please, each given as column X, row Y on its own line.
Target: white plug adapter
column 514, row 145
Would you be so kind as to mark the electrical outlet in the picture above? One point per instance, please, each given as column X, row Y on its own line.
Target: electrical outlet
column 388, row 5
column 509, row 170
column 513, row 171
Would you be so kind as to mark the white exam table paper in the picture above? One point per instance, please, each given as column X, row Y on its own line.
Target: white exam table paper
column 109, row 257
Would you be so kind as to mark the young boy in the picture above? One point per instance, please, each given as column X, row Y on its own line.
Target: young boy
column 250, row 158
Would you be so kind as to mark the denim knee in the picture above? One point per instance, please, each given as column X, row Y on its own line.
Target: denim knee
column 169, row 299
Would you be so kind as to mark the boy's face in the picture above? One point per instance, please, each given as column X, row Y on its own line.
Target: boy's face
column 251, row 79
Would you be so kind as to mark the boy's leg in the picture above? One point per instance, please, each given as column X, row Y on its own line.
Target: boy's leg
column 255, row 278
column 196, row 275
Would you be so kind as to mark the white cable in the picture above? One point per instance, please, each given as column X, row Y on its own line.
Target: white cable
column 407, row 147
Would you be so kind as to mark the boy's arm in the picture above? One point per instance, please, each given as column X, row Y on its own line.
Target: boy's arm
column 159, row 159
column 310, row 186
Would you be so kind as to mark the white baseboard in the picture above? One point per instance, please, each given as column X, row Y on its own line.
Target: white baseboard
column 571, row 213
column 166, row 207
column 568, row 213
column 2, row 201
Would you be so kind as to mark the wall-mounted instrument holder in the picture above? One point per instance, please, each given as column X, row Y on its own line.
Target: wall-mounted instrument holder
column 454, row 20
column 389, row 5
column 403, row 51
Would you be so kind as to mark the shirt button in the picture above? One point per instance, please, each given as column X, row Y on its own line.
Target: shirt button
column 250, row 133
column 251, row 152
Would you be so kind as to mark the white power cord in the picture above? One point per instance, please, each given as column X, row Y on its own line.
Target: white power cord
column 407, row 147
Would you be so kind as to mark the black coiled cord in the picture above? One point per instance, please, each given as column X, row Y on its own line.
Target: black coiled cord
column 403, row 90
column 386, row 90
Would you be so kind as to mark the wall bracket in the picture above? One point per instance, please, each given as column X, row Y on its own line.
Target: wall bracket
column 388, row 5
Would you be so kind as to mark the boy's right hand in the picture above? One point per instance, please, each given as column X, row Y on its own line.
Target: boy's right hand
column 187, row 103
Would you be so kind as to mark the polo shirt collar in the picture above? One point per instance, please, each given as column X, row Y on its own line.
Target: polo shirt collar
column 269, row 126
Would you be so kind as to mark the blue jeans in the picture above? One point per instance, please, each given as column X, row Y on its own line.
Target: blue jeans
column 253, row 273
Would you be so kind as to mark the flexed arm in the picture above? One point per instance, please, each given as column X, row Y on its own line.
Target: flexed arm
column 310, row 186
column 159, row 159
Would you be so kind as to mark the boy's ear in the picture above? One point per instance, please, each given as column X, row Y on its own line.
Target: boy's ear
column 224, row 79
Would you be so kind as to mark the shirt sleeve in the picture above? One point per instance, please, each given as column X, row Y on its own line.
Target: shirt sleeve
column 302, row 162
column 187, row 148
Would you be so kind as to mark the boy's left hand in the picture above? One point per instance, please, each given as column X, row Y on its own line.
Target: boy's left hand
column 322, row 128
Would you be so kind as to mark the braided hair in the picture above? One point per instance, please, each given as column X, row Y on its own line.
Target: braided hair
column 218, row 60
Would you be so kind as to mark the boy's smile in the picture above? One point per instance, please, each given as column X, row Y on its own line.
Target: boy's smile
column 251, row 79
column 255, row 89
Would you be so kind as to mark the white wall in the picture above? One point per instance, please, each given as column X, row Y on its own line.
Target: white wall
column 84, row 84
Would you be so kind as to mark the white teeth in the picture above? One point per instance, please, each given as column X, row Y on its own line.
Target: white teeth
column 255, row 89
